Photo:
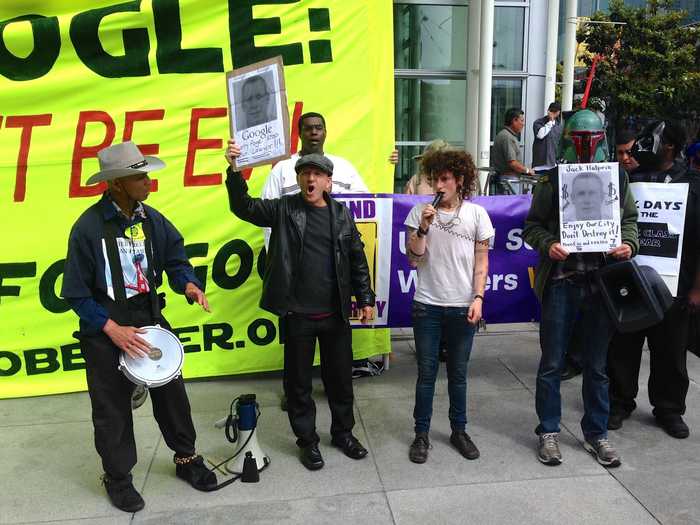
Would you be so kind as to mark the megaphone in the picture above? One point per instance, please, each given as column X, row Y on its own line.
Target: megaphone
column 241, row 430
column 636, row 296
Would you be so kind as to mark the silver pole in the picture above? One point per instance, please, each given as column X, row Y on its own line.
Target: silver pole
column 471, row 143
column 567, row 94
column 485, row 82
column 551, row 66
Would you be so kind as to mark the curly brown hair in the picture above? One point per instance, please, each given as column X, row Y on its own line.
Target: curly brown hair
column 459, row 162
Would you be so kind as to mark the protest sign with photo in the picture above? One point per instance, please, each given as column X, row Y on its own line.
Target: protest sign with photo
column 661, row 220
column 258, row 113
column 589, row 207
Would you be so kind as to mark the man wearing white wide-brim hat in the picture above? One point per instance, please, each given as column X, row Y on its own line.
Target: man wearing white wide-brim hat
column 117, row 252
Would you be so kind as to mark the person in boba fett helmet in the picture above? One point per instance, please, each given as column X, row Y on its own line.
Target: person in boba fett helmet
column 584, row 140
column 564, row 285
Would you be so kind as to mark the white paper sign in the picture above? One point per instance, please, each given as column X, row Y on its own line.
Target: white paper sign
column 589, row 207
column 258, row 113
column 661, row 220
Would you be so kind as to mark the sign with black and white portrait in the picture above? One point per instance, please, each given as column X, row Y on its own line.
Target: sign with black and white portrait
column 258, row 113
column 589, row 207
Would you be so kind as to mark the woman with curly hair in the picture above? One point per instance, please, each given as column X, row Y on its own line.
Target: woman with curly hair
column 449, row 246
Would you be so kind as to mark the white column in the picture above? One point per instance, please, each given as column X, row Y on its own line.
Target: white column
column 485, row 78
column 471, row 144
column 551, row 67
column 567, row 88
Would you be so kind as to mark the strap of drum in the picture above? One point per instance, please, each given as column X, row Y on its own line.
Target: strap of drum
column 111, row 234
column 115, row 264
column 152, row 293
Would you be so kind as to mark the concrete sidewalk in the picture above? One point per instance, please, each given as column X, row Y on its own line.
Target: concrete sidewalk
column 50, row 470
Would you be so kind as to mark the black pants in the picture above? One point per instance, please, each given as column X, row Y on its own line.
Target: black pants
column 110, row 394
column 334, row 338
column 668, row 377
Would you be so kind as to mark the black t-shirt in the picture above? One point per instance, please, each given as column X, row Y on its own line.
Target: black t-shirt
column 316, row 288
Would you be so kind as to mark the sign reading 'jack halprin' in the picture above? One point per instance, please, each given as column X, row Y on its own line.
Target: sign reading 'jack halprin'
column 589, row 207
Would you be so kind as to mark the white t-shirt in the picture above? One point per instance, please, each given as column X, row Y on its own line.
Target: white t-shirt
column 283, row 181
column 446, row 271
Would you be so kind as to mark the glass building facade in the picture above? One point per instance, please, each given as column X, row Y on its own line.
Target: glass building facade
column 431, row 65
column 431, row 61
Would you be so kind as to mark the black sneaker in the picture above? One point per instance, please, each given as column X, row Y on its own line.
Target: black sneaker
column 196, row 474
column 418, row 453
column 615, row 420
column 464, row 444
column 122, row 493
column 674, row 426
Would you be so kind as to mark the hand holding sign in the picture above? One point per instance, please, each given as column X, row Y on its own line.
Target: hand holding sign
column 622, row 252
column 557, row 252
column 233, row 151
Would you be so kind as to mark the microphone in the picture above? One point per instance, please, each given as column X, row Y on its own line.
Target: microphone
column 436, row 200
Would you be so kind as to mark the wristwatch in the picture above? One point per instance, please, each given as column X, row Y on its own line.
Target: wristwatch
column 421, row 232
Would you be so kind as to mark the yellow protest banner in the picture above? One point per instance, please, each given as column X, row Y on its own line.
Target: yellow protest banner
column 76, row 76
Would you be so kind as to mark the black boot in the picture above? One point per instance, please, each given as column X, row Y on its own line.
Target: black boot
column 194, row 472
column 122, row 493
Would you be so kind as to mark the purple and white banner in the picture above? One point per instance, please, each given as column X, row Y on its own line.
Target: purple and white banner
column 380, row 219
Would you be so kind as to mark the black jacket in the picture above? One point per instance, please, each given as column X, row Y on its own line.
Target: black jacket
column 287, row 218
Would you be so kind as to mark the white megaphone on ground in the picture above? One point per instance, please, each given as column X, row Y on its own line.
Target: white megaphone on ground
column 241, row 429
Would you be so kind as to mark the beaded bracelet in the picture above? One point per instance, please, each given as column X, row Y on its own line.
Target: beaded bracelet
column 185, row 461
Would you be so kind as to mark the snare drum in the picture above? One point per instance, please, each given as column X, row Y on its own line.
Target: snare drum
column 162, row 365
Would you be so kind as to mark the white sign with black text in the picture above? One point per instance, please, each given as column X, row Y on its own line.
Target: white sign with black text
column 661, row 221
column 258, row 113
column 589, row 207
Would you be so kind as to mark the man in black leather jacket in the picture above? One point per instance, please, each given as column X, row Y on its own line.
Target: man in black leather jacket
column 315, row 263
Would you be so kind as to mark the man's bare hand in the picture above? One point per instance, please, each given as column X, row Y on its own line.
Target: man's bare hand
column 394, row 157
column 557, row 252
column 233, row 151
column 126, row 338
column 367, row 314
column 193, row 292
column 622, row 252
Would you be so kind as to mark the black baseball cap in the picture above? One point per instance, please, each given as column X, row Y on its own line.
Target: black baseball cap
column 317, row 161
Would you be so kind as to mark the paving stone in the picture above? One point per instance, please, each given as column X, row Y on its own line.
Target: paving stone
column 577, row 500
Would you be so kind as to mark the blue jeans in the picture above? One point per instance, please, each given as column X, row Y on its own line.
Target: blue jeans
column 563, row 300
column 430, row 325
